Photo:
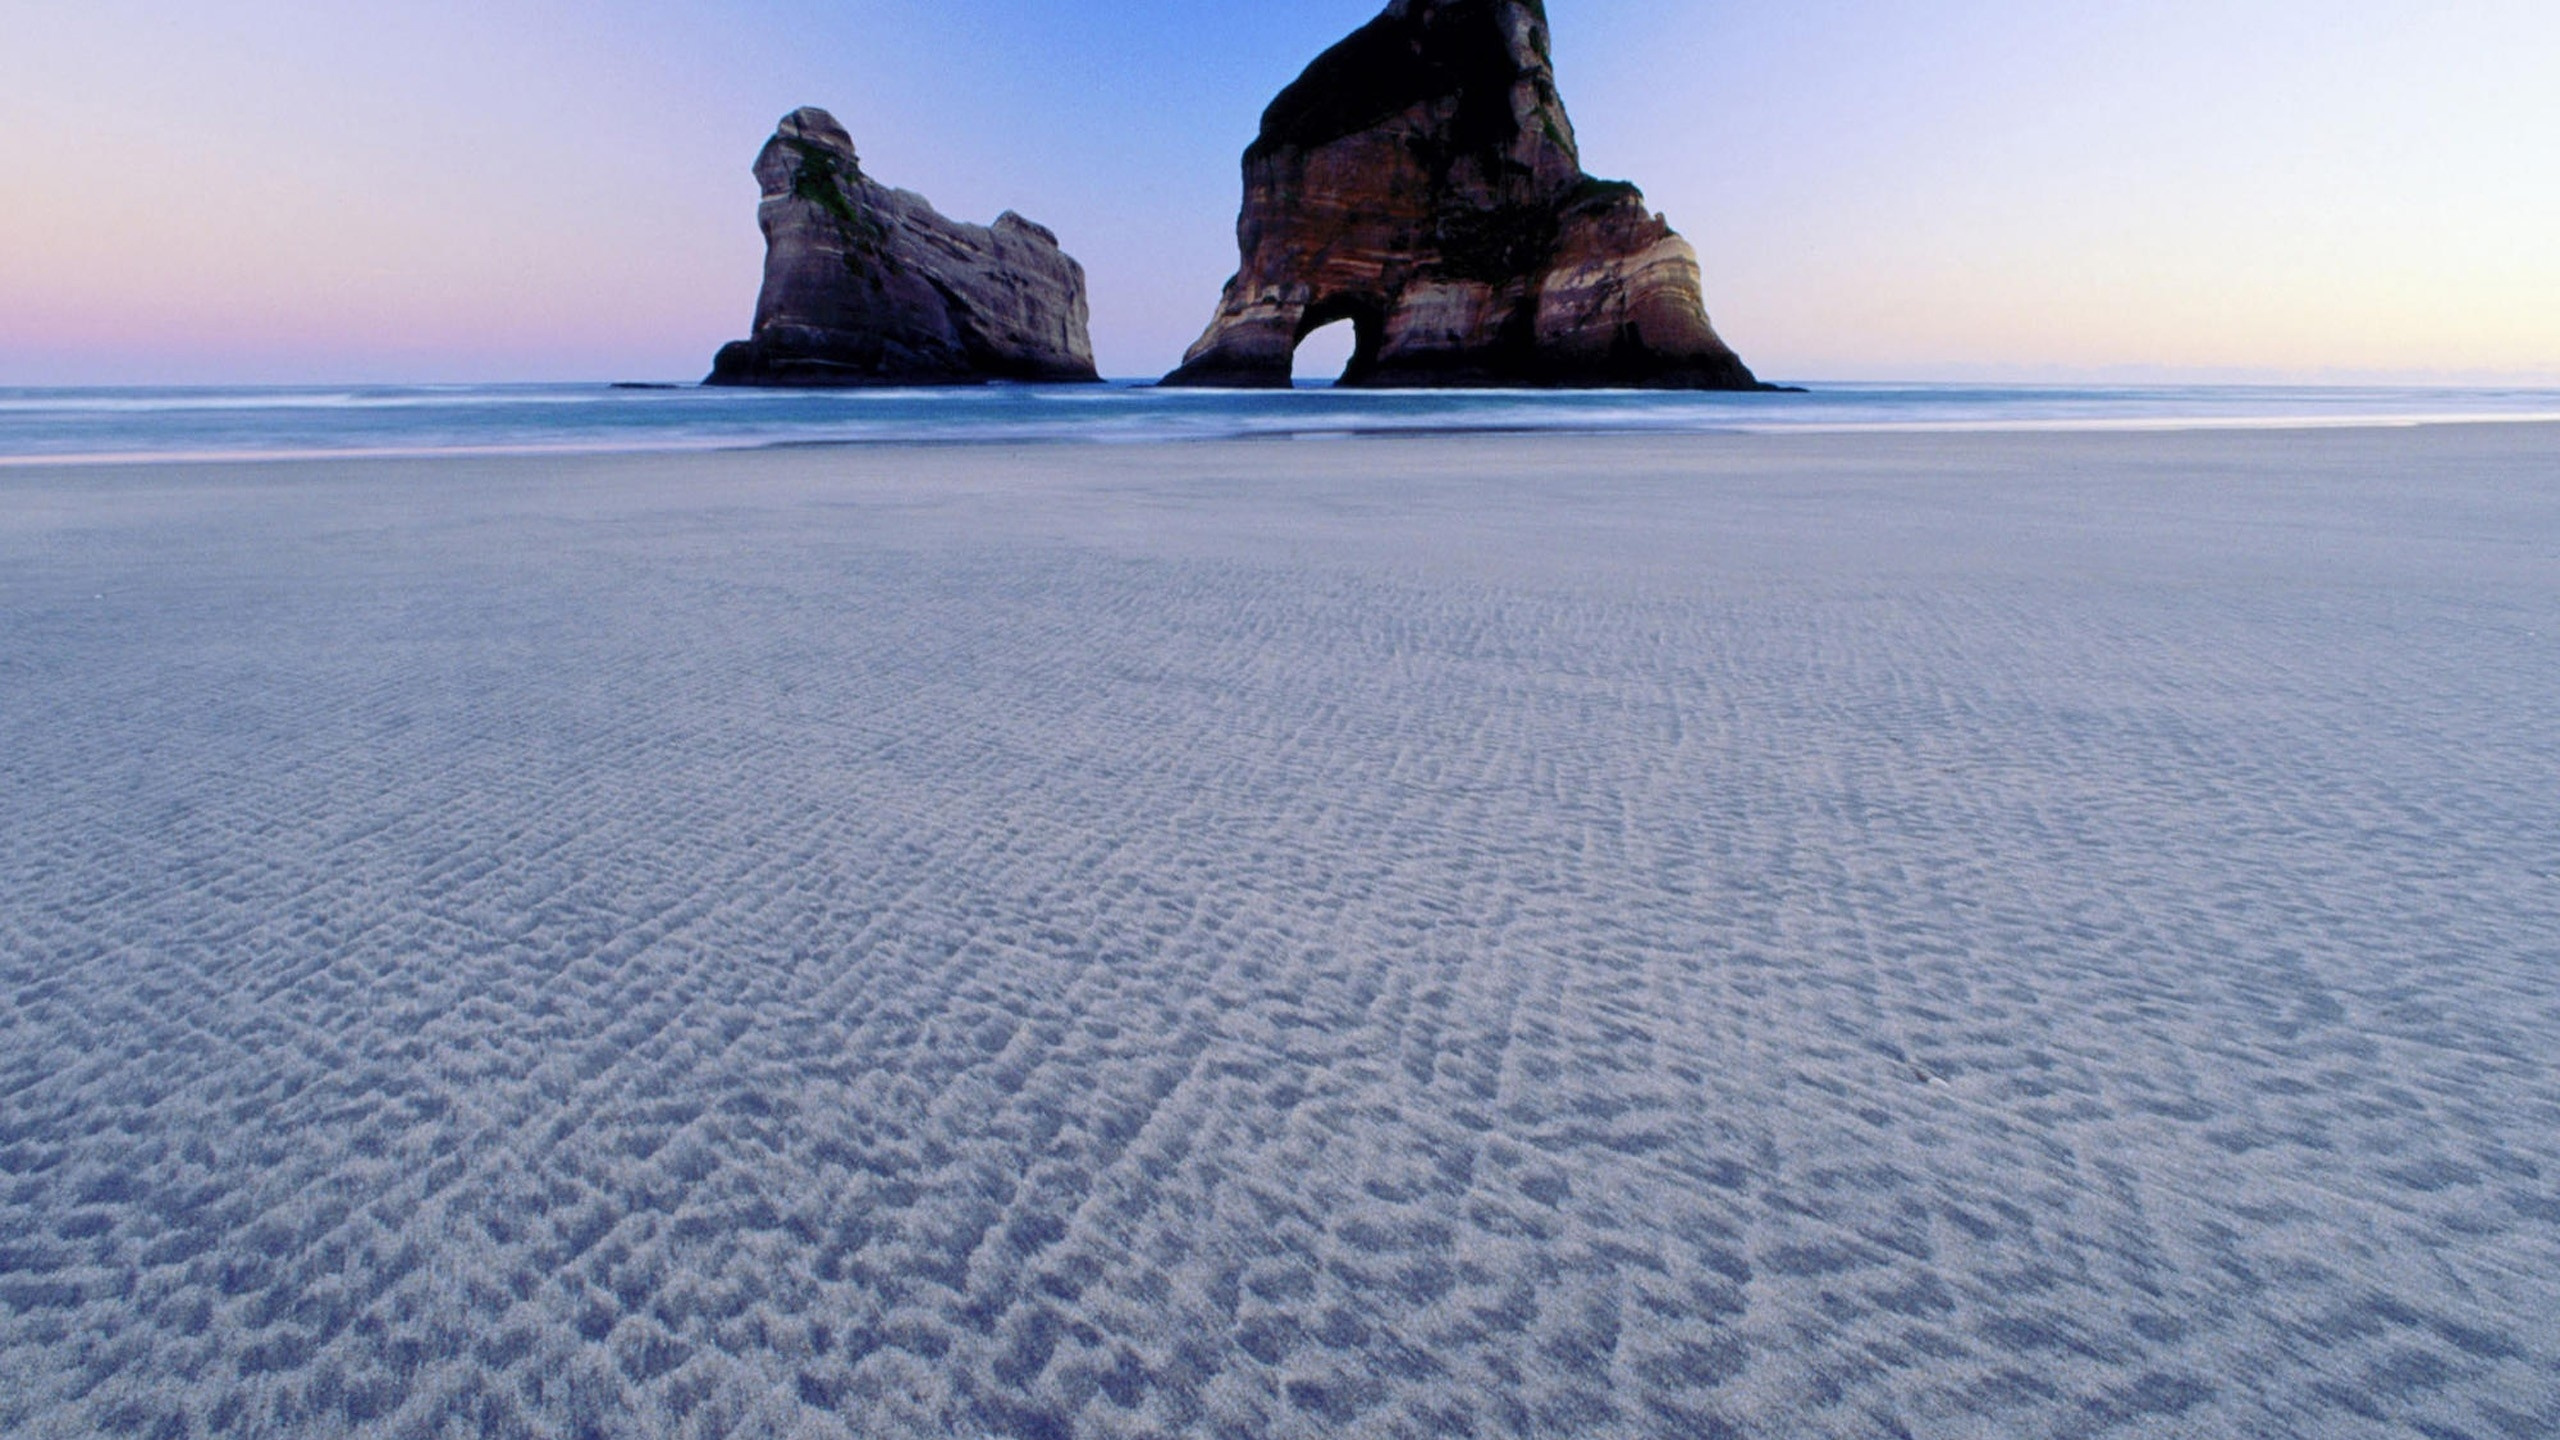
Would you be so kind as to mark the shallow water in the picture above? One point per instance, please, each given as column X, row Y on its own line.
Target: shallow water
column 1786, row 937
column 501, row 419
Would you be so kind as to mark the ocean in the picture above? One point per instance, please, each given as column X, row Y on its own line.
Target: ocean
column 115, row 424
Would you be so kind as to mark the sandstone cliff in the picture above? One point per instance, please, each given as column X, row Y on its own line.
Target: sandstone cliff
column 866, row 285
column 1421, row 180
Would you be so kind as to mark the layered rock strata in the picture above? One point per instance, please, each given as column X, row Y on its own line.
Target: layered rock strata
column 1421, row 180
column 869, row 285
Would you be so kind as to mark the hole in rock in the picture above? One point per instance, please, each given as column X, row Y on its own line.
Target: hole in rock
column 1324, row 354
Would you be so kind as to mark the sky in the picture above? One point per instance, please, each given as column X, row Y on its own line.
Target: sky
column 274, row 191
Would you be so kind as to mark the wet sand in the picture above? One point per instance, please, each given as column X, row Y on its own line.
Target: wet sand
column 1773, row 936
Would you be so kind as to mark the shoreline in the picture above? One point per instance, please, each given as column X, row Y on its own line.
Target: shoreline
column 1066, row 443
column 93, row 427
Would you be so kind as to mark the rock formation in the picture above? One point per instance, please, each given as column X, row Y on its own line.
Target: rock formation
column 866, row 285
column 1421, row 181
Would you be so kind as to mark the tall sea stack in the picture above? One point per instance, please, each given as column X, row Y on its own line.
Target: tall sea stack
column 1421, row 181
column 866, row 285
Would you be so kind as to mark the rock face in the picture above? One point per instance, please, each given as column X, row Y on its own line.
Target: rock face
column 866, row 285
column 1421, row 181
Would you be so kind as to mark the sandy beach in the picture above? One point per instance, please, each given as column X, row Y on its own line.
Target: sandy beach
column 1802, row 935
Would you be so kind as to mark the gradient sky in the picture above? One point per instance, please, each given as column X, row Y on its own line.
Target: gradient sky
column 282, row 190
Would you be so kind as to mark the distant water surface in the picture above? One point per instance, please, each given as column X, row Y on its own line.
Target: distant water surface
column 40, row 425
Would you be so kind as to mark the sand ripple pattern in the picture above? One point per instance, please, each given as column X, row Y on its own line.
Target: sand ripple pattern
column 1440, row 938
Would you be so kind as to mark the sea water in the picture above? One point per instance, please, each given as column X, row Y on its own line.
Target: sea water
column 52, row 425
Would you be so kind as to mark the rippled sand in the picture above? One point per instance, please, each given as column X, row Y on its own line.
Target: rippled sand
column 1777, row 937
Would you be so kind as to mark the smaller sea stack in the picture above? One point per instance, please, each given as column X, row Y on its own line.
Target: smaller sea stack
column 869, row 285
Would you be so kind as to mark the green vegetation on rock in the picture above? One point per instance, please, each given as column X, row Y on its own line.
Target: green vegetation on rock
column 824, row 180
column 1590, row 191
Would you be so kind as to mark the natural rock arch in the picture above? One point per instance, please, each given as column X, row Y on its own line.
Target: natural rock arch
column 1367, row 317
column 1423, row 177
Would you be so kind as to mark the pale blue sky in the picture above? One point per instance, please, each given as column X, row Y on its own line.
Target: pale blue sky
column 2249, row 189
